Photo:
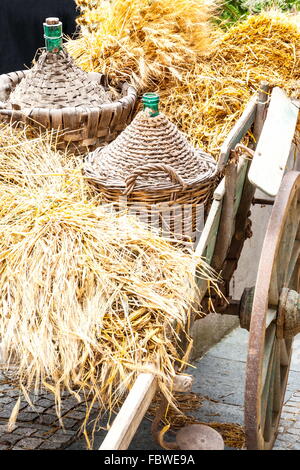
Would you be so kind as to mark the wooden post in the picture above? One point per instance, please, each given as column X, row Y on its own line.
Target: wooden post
column 261, row 108
column 134, row 408
column 131, row 413
column 226, row 225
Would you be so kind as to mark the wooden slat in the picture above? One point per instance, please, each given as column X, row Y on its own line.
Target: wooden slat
column 210, row 229
column 131, row 414
column 71, row 124
column 42, row 116
column 117, row 116
column 237, row 133
column 206, row 243
column 105, row 116
column 93, row 120
column 227, row 222
column 56, row 119
column 220, row 189
column 242, row 169
column 273, row 149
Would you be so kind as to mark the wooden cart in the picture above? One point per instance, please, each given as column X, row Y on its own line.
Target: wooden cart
column 271, row 309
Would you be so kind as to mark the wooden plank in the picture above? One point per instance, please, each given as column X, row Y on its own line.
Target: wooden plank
column 220, row 189
column 261, row 108
column 227, row 222
column 131, row 413
column 210, row 229
column 206, row 243
column 242, row 170
column 273, row 149
column 224, row 235
column 238, row 132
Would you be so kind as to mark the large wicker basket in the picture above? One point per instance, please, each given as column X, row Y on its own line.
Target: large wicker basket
column 153, row 170
column 85, row 127
column 56, row 94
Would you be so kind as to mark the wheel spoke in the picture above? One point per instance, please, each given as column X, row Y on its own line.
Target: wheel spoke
column 277, row 383
column 287, row 242
column 294, row 261
column 270, row 393
column 271, row 316
column 269, row 343
column 293, row 282
column 267, row 397
column 284, row 356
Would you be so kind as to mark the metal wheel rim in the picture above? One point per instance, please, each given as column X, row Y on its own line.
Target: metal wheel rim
column 261, row 335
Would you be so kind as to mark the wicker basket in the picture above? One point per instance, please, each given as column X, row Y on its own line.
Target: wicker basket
column 152, row 169
column 56, row 94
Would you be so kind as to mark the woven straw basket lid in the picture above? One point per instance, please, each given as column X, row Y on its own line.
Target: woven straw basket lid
column 56, row 82
column 151, row 154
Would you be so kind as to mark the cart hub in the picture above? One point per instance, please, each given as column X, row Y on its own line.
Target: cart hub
column 288, row 321
column 288, row 312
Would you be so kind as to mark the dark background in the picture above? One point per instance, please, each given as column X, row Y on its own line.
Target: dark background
column 21, row 28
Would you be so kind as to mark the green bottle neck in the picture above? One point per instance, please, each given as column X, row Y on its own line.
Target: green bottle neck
column 53, row 35
column 151, row 102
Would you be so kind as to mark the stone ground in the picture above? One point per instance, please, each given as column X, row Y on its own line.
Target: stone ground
column 219, row 377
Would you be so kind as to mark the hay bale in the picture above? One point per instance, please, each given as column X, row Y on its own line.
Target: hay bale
column 209, row 94
column 149, row 42
column 213, row 95
column 89, row 297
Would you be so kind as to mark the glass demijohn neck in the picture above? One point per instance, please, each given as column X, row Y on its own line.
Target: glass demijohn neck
column 151, row 101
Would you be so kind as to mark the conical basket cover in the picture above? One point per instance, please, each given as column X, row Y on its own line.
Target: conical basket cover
column 150, row 142
column 56, row 82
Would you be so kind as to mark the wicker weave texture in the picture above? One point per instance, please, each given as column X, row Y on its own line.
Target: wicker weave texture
column 56, row 82
column 86, row 125
column 152, row 167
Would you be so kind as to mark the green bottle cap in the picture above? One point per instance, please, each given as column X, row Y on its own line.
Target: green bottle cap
column 150, row 101
column 53, row 34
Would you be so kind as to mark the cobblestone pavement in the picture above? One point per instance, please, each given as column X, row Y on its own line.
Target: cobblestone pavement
column 37, row 427
column 219, row 376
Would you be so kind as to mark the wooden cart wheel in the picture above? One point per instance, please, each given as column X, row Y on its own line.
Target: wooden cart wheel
column 270, row 343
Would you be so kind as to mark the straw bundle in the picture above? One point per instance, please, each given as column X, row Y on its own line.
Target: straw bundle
column 213, row 95
column 88, row 297
column 208, row 95
column 147, row 41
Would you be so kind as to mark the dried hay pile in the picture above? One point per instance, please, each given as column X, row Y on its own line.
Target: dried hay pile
column 205, row 93
column 147, row 41
column 213, row 95
column 89, row 297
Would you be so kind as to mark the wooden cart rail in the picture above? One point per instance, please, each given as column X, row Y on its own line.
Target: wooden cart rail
column 139, row 398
